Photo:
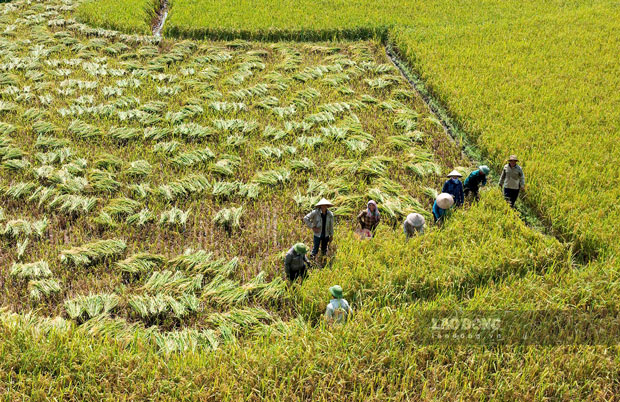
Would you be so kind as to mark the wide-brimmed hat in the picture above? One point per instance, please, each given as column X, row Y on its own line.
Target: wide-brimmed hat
column 445, row 200
column 324, row 202
column 455, row 173
column 336, row 291
column 484, row 169
column 513, row 158
column 415, row 220
column 300, row 248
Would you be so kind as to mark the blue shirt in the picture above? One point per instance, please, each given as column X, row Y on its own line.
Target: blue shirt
column 456, row 190
column 438, row 212
column 475, row 179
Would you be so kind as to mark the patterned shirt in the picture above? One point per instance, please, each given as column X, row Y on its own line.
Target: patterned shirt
column 367, row 220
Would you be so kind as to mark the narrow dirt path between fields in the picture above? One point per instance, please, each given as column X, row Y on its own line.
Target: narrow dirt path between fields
column 160, row 19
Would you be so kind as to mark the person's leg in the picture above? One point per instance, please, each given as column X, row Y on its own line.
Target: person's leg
column 315, row 246
column 513, row 197
column 476, row 194
column 507, row 195
column 293, row 275
column 324, row 242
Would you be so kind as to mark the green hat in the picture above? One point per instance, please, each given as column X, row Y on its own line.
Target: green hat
column 300, row 248
column 336, row 291
column 484, row 169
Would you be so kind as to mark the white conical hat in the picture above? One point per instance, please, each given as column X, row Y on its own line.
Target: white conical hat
column 455, row 173
column 416, row 220
column 445, row 200
column 324, row 202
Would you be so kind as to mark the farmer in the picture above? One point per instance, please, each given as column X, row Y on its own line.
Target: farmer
column 321, row 221
column 454, row 187
column 414, row 224
column 338, row 308
column 476, row 179
column 512, row 180
column 443, row 202
column 295, row 262
column 369, row 218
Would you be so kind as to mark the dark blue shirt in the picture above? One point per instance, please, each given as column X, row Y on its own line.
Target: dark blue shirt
column 456, row 190
column 475, row 179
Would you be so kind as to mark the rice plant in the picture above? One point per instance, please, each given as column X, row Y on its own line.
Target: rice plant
column 90, row 306
column 121, row 207
column 229, row 218
column 153, row 307
column 33, row 270
column 43, row 288
column 188, row 185
column 174, row 217
column 169, row 282
column 71, row 204
column 304, row 164
column 186, row 340
column 140, row 263
column 19, row 228
column 242, row 319
column 273, row 177
column 203, row 262
column 92, row 253
column 197, row 156
column 139, row 168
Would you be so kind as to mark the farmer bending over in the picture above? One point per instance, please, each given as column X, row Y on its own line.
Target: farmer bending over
column 414, row 224
column 338, row 308
column 443, row 202
column 295, row 262
column 476, row 179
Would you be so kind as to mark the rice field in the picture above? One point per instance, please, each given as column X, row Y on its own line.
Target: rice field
column 150, row 187
column 160, row 184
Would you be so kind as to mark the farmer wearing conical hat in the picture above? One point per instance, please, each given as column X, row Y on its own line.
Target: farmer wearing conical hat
column 295, row 262
column 476, row 179
column 321, row 221
column 443, row 202
column 369, row 217
column 338, row 308
column 512, row 180
column 454, row 187
column 413, row 225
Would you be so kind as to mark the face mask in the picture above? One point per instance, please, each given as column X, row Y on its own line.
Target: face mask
column 455, row 180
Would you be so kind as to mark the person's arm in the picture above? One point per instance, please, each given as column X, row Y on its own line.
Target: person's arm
column 287, row 264
column 329, row 314
column 484, row 180
column 360, row 218
column 308, row 219
column 522, row 180
column 461, row 195
column 502, row 178
column 444, row 189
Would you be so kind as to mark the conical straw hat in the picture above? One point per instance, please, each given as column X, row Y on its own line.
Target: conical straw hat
column 324, row 202
column 416, row 220
column 455, row 173
column 445, row 201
